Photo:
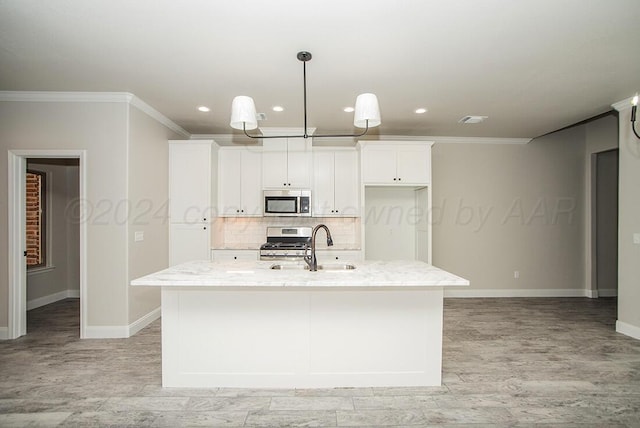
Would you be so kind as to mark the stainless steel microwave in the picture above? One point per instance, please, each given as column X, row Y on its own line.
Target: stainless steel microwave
column 287, row 203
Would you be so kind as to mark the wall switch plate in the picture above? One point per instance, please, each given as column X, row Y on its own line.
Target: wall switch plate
column 636, row 238
column 516, row 274
column 138, row 236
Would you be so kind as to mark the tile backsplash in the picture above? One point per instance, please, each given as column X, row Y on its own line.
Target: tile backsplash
column 251, row 232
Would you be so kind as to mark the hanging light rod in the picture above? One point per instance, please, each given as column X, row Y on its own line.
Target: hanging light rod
column 243, row 111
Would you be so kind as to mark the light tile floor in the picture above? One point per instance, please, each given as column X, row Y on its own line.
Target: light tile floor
column 507, row 362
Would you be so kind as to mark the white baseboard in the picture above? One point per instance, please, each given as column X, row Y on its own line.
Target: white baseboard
column 4, row 333
column 628, row 329
column 121, row 331
column 144, row 321
column 608, row 293
column 51, row 298
column 548, row 292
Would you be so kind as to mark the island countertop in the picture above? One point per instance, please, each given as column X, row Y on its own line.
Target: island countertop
column 259, row 274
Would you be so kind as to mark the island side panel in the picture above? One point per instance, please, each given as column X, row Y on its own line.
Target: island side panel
column 301, row 339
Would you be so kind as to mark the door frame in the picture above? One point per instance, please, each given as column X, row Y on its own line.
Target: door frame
column 17, row 269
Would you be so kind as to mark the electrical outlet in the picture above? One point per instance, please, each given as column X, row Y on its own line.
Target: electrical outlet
column 138, row 236
column 636, row 238
column 516, row 274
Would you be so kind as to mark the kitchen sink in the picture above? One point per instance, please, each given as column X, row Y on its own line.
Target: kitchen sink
column 327, row 267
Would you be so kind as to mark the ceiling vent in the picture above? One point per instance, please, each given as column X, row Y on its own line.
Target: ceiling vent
column 473, row 119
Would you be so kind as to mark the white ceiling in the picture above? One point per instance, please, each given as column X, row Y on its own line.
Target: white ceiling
column 532, row 66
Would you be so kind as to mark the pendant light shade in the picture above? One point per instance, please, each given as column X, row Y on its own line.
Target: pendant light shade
column 243, row 113
column 367, row 112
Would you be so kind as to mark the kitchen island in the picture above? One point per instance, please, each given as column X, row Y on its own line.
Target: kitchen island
column 247, row 325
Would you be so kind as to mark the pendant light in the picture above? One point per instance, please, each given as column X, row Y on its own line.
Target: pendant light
column 366, row 115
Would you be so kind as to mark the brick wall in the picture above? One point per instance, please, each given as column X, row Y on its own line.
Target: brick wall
column 35, row 249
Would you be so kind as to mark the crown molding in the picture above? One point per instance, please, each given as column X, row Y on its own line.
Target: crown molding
column 478, row 140
column 622, row 105
column 66, row 97
column 155, row 114
column 92, row 97
column 231, row 139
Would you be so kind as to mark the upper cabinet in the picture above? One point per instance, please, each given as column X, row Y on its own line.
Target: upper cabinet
column 335, row 183
column 239, row 182
column 286, row 162
column 402, row 163
column 190, row 181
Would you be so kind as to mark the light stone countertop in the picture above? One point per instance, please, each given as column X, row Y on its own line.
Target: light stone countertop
column 205, row 273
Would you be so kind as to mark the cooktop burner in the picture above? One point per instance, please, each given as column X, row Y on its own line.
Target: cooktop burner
column 286, row 243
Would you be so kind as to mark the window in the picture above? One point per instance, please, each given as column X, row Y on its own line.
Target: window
column 36, row 188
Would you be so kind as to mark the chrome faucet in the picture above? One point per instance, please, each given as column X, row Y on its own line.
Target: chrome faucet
column 311, row 259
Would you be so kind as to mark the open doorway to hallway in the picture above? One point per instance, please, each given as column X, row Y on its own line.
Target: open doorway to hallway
column 52, row 232
column 606, row 223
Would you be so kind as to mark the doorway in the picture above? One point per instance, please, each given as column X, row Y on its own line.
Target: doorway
column 18, row 160
column 606, row 223
column 52, row 232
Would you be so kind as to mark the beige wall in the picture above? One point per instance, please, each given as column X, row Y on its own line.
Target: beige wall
column 628, row 224
column 126, row 166
column 99, row 128
column 148, row 194
column 504, row 208
column 62, row 234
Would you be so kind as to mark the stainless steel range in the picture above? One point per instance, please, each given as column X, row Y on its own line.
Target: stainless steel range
column 286, row 243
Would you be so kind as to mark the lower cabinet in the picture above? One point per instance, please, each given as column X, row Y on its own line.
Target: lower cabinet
column 188, row 242
column 338, row 255
column 234, row 255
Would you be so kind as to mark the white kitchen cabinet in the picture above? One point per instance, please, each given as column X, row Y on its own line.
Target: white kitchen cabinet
column 335, row 256
column 239, row 182
column 335, row 183
column 400, row 163
column 286, row 163
column 190, row 199
column 234, row 255
column 190, row 181
column 189, row 242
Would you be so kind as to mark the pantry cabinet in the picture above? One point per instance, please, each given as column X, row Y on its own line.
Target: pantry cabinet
column 190, row 181
column 239, row 182
column 399, row 163
column 335, row 183
column 286, row 163
column 190, row 199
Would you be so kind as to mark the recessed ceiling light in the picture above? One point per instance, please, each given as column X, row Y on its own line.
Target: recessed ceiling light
column 204, row 109
column 421, row 110
column 473, row 119
column 348, row 109
column 278, row 108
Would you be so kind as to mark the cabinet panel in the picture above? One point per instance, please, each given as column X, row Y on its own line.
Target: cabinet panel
column 229, row 171
column 286, row 163
column 274, row 163
column 346, row 198
column 323, row 184
column 396, row 163
column 189, row 242
column 190, row 182
column 299, row 163
column 234, row 255
column 328, row 256
column 379, row 165
column 251, row 183
column 414, row 164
